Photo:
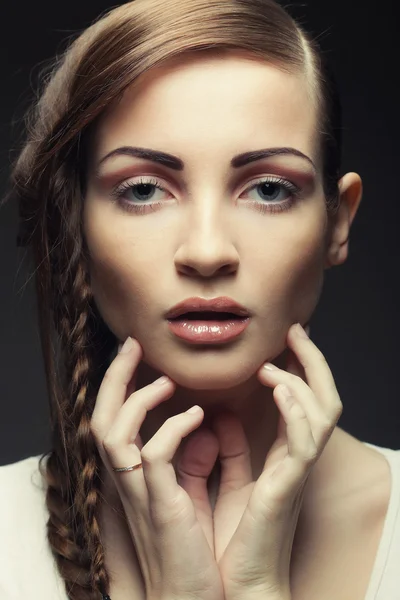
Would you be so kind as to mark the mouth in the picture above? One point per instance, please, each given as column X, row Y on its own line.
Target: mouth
column 208, row 316
column 215, row 309
column 208, row 327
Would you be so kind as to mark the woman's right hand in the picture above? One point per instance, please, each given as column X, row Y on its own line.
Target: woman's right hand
column 172, row 534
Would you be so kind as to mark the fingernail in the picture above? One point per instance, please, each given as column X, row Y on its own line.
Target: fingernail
column 161, row 380
column 128, row 345
column 270, row 367
column 300, row 331
column 194, row 409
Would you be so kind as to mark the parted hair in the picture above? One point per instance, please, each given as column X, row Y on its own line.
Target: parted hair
column 48, row 184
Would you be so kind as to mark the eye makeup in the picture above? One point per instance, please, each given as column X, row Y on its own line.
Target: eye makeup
column 119, row 194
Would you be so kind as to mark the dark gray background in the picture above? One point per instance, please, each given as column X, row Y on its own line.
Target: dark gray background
column 356, row 324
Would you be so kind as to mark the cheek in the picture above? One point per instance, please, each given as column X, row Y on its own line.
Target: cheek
column 305, row 279
column 293, row 273
column 121, row 274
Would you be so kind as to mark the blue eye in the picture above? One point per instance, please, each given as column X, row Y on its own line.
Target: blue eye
column 268, row 190
column 141, row 190
column 268, row 200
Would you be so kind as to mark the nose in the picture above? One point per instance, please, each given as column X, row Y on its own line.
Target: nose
column 207, row 248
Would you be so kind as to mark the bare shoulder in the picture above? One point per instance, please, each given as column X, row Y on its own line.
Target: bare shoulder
column 345, row 510
column 347, row 471
column 363, row 480
column 372, row 482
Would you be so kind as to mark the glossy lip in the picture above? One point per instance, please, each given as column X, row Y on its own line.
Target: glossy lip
column 208, row 332
column 197, row 304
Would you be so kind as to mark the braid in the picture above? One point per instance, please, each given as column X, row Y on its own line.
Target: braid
column 72, row 472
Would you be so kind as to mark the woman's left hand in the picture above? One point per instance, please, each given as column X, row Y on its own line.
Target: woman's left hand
column 255, row 522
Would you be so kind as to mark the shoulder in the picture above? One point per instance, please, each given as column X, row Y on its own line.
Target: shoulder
column 19, row 472
column 383, row 516
column 22, row 502
column 376, row 481
column 384, row 486
column 22, row 487
column 27, row 566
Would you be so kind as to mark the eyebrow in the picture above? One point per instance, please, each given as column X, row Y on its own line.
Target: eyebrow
column 177, row 164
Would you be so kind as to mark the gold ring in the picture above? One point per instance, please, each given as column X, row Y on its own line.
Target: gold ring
column 132, row 468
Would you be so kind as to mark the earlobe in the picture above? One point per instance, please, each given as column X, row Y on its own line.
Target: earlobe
column 350, row 194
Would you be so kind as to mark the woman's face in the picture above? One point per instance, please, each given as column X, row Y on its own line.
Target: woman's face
column 211, row 230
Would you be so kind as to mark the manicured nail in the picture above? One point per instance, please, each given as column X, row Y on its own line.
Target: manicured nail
column 270, row 367
column 194, row 409
column 161, row 380
column 128, row 345
column 300, row 331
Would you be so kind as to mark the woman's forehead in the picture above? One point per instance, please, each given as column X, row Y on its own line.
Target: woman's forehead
column 213, row 100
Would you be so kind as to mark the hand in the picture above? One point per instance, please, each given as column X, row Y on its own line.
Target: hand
column 255, row 522
column 173, row 536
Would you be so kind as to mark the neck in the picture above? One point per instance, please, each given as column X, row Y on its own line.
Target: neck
column 251, row 401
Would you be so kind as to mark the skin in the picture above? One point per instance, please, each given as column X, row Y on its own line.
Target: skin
column 208, row 239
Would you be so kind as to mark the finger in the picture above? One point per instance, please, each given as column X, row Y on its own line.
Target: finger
column 119, row 443
column 318, row 374
column 300, row 441
column 131, row 387
column 293, row 365
column 322, row 405
column 304, row 396
column 193, row 470
column 234, row 452
column 113, row 389
column 195, row 465
column 272, row 511
column 158, row 453
column 302, row 450
column 168, row 501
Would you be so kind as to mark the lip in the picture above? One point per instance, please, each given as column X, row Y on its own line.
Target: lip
column 197, row 304
column 208, row 332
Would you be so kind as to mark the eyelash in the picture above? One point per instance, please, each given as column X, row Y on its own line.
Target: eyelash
column 277, row 207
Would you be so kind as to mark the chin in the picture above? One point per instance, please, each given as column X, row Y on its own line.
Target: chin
column 209, row 370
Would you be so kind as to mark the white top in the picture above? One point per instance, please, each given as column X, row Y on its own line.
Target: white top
column 28, row 569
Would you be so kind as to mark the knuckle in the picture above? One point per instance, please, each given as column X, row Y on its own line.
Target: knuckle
column 298, row 411
column 110, row 444
column 108, row 374
column 338, row 410
column 94, row 428
column 321, row 357
column 154, row 451
column 150, row 454
column 327, row 426
column 311, row 454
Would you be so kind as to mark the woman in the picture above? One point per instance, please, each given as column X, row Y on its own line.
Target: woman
column 191, row 152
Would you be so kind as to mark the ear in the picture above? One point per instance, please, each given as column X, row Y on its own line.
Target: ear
column 350, row 194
